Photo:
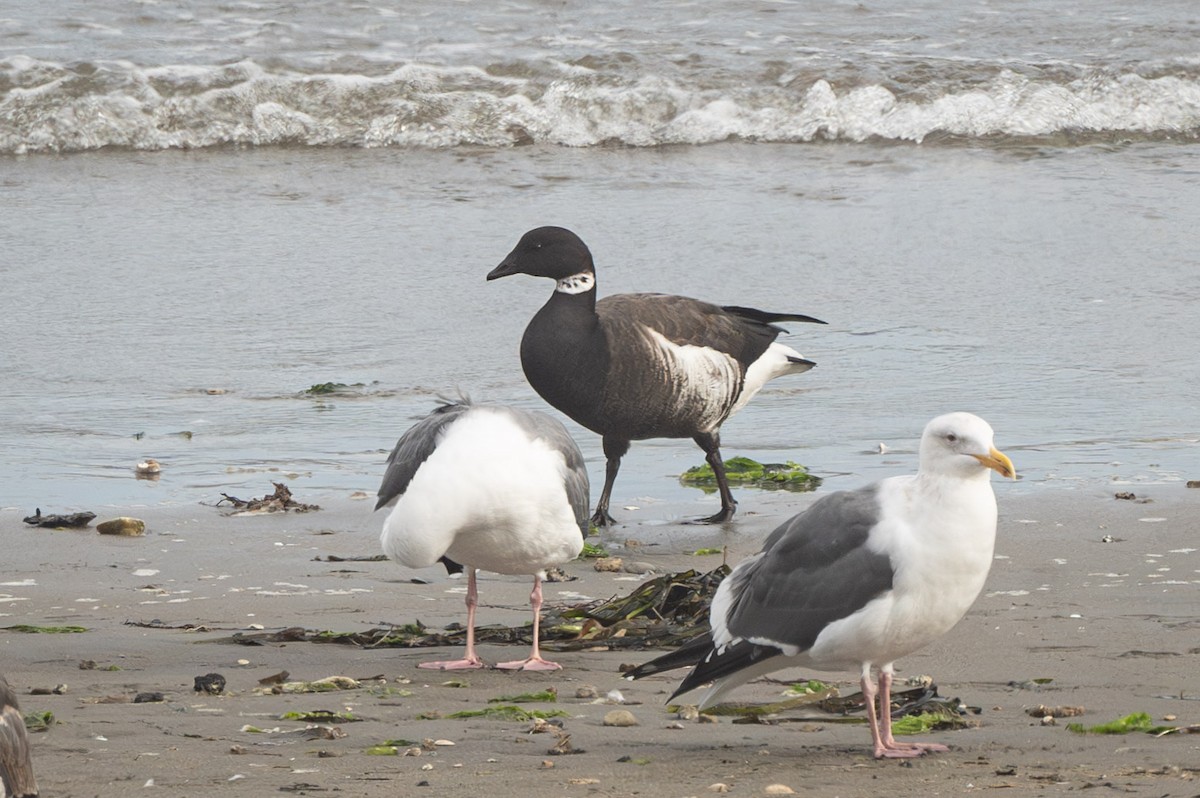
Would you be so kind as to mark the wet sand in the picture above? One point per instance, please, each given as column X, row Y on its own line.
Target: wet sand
column 1113, row 625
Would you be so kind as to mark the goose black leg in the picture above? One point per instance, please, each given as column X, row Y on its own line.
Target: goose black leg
column 614, row 450
column 711, row 444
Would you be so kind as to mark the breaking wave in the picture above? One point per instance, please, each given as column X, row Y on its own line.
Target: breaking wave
column 59, row 108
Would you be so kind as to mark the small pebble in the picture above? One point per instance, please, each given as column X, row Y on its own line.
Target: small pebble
column 620, row 717
column 608, row 564
column 779, row 789
column 443, row 742
column 124, row 526
column 586, row 691
column 674, row 725
column 243, row 662
column 427, row 766
column 1049, row 720
column 547, row 764
column 718, row 787
column 1170, row 717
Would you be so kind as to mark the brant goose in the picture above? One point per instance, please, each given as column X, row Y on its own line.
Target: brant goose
column 16, row 767
column 636, row 366
column 859, row 579
column 490, row 487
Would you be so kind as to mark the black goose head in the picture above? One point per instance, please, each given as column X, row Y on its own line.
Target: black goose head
column 553, row 252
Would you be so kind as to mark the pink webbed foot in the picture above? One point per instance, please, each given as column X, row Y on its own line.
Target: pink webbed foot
column 453, row 665
column 531, row 664
column 897, row 750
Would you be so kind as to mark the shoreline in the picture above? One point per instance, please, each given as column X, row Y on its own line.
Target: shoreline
column 1110, row 624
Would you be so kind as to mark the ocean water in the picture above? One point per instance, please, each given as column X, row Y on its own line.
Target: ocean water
column 205, row 209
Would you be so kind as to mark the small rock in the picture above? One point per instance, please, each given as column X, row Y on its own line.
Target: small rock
column 443, row 742
column 1193, row 483
column 414, row 751
column 620, row 717
column 243, row 662
column 124, row 526
column 674, row 725
column 778, row 789
column 427, row 766
column 148, row 698
column 587, row 691
column 718, row 787
column 211, row 683
column 1170, row 717
column 1049, row 721
column 637, row 567
column 608, row 564
column 274, row 679
column 557, row 574
column 547, row 764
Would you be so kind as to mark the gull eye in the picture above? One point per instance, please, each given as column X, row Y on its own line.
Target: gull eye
column 951, row 437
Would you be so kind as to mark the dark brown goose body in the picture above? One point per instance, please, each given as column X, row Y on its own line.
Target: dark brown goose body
column 637, row 366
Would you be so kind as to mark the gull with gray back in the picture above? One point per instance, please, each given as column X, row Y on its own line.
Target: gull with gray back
column 859, row 579
column 486, row 486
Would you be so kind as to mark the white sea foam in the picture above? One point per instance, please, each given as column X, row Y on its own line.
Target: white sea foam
column 51, row 107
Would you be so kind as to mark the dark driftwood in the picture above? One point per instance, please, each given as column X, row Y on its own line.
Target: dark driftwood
column 279, row 501
column 56, row 521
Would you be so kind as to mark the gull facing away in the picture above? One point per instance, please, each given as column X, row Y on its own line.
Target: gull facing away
column 16, row 766
column 637, row 366
column 859, row 579
column 491, row 487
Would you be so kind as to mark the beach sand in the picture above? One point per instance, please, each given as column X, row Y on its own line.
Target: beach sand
column 1095, row 594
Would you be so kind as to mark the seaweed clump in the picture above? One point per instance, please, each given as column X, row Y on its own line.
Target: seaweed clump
column 747, row 472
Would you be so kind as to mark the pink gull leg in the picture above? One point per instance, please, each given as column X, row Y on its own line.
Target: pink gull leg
column 889, row 742
column 881, row 748
column 535, row 661
column 471, row 660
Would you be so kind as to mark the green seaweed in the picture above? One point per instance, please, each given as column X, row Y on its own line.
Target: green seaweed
column 387, row 691
column 927, row 721
column 38, row 721
column 508, row 712
column 707, row 552
column 809, row 687
column 592, row 551
column 45, row 630
column 549, row 696
column 382, row 750
column 747, row 472
column 324, row 388
column 1135, row 722
column 320, row 716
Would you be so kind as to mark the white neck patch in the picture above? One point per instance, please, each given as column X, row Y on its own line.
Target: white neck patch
column 577, row 283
